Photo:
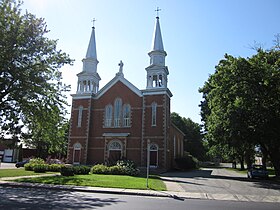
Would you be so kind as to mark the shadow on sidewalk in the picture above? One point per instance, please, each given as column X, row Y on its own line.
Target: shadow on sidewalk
column 207, row 174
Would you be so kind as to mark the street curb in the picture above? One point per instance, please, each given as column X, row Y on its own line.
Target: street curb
column 89, row 189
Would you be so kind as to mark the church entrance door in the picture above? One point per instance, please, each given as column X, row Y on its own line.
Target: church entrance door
column 77, row 153
column 153, row 155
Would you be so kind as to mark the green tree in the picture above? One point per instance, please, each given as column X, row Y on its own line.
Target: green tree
column 30, row 77
column 193, row 135
column 241, row 105
column 48, row 134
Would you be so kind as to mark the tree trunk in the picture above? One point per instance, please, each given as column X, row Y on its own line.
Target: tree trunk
column 275, row 159
column 241, row 160
column 264, row 156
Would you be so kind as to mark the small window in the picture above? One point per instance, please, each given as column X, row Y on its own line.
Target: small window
column 126, row 115
column 154, row 114
column 80, row 116
column 108, row 115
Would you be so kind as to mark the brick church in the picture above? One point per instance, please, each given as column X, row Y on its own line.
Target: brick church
column 119, row 120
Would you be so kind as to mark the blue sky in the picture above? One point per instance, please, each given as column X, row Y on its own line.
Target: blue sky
column 196, row 35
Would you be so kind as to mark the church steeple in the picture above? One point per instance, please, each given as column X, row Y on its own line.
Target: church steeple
column 157, row 44
column 157, row 71
column 88, row 79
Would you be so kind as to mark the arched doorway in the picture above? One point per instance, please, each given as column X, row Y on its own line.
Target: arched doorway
column 114, row 150
column 77, row 153
column 153, row 155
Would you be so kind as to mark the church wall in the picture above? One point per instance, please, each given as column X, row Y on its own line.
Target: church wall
column 74, row 129
column 95, row 156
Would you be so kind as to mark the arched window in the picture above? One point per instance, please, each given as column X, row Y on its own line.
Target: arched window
column 117, row 112
column 154, row 114
column 108, row 115
column 155, row 81
column 115, row 145
column 126, row 115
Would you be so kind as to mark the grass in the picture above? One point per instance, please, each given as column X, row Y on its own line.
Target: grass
column 18, row 172
column 97, row 180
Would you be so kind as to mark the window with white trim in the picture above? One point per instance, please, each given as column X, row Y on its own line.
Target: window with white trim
column 80, row 116
column 108, row 115
column 117, row 112
column 126, row 115
column 154, row 114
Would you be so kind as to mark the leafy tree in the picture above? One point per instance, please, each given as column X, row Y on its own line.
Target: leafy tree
column 241, row 106
column 193, row 135
column 30, row 80
column 48, row 134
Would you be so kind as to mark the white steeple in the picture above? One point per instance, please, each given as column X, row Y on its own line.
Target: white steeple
column 157, row 43
column 88, row 79
column 157, row 71
column 90, row 61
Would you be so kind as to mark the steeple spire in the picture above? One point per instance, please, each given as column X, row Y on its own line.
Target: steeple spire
column 90, row 61
column 157, row 43
column 91, row 51
column 88, row 79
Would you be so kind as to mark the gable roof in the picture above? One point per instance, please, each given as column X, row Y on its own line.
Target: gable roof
column 118, row 78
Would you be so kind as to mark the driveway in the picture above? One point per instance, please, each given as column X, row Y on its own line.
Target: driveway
column 223, row 184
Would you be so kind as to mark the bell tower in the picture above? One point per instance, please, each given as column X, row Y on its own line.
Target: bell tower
column 82, row 106
column 88, row 79
column 157, row 71
column 156, row 101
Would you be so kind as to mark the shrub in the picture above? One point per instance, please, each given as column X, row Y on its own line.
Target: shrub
column 129, row 167
column 123, row 167
column 67, row 170
column 117, row 170
column 37, row 161
column 100, row 169
column 28, row 167
column 83, row 170
column 40, row 168
column 186, row 163
column 54, row 167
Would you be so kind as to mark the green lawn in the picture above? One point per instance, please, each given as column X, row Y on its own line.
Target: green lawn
column 17, row 172
column 96, row 180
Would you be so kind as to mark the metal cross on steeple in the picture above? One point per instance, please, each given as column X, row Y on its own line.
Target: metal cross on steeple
column 93, row 22
column 157, row 10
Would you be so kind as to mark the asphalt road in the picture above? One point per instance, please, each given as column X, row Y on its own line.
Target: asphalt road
column 34, row 198
column 218, row 182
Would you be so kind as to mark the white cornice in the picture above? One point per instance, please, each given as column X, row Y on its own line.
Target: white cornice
column 116, row 79
column 82, row 96
column 115, row 134
column 157, row 91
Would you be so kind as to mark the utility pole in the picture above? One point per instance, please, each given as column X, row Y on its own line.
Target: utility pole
column 148, row 162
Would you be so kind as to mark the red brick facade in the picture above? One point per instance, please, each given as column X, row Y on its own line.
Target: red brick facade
column 92, row 138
